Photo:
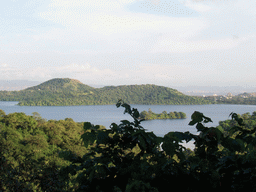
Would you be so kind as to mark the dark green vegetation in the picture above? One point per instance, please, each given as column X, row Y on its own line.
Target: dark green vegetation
column 72, row 92
column 149, row 115
column 30, row 151
column 249, row 121
column 40, row 155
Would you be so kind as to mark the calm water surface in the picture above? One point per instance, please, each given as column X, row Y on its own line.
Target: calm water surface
column 107, row 114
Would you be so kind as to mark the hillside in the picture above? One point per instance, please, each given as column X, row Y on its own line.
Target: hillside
column 65, row 91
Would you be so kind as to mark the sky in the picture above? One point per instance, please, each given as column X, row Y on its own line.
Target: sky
column 116, row 42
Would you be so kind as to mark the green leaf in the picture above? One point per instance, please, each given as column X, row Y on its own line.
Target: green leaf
column 114, row 127
column 220, row 129
column 127, row 108
column 88, row 138
column 207, row 119
column 169, row 147
column 142, row 142
column 87, row 125
column 237, row 119
column 219, row 133
column 234, row 144
column 179, row 136
column 233, row 130
column 118, row 104
column 136, row 113
column 159, row 140
column 102, row 137
column 170, row 143
column 193, row 122
column 125, row 122
column 97, row 127
column 91, row 175
column 198, row 117
column 200, row 127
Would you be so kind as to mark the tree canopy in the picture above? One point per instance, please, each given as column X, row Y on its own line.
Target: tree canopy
column 41, row 155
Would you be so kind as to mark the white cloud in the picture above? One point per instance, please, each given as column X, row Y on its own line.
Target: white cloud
column 88, row 3
column 115, row 41
column 116, row 31
column 71, row 8
column 4, row 65
column 112, row 24
column 52, row 34
column 84, row 52
column 83, row 71
column 75, row 68
column 78, row 3
column 199, row 7
column 107, row 22
column 183, row 46
column 86, row 73
column 247, row 7
column 77, row 71
column 24, row 73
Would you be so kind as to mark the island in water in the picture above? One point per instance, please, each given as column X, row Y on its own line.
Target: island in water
column 149, row 115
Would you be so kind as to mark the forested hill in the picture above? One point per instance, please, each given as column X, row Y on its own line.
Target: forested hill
column 65, row 91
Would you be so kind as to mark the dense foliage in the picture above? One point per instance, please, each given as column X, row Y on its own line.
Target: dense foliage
column 149, row 115
column 249, row 121
column 72, row 92
column 30, row 151
column 40, row 155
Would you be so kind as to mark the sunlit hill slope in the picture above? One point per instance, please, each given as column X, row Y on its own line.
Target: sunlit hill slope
column 65, row 91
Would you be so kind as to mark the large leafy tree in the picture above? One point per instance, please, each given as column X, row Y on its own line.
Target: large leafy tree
column 127, row 158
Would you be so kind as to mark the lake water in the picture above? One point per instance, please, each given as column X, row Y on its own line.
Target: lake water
column 107, row 114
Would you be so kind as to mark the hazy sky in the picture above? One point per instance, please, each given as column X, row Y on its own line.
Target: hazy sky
column 114, row 42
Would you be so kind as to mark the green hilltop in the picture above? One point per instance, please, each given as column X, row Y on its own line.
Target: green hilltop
column 65, row 91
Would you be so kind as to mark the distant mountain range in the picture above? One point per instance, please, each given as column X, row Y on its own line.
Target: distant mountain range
column 65, row 91
column 16, row 85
